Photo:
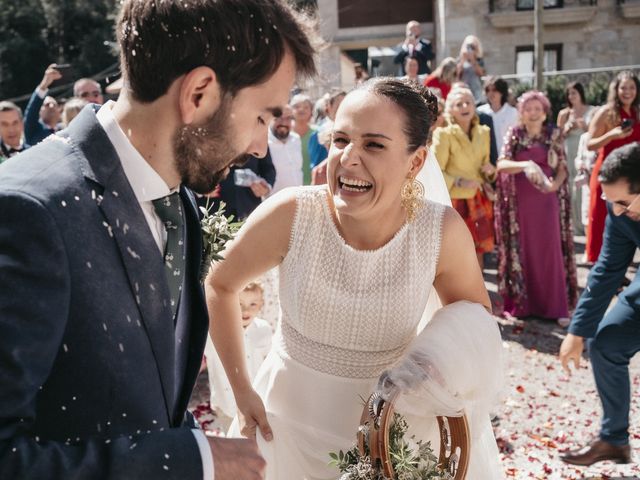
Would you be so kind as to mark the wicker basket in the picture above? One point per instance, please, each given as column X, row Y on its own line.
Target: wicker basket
column 454, row 437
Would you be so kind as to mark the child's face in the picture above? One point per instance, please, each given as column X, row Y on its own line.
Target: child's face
column 250, row 305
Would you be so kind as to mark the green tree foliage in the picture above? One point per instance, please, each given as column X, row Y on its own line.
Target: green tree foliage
column 35, row 33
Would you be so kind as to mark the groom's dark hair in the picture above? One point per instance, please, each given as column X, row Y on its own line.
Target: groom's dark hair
column 243, row 41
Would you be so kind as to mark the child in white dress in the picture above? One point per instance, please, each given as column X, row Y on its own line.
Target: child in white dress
column 257, row 343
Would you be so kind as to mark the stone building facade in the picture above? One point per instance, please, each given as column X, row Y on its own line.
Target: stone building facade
column 578, row 34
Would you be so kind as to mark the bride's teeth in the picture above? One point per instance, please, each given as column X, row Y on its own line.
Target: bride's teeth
column 354, row 182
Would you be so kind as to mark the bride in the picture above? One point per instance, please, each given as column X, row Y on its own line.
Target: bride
column 358, row 259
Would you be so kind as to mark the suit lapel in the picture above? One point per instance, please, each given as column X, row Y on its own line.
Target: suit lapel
column 139, row 253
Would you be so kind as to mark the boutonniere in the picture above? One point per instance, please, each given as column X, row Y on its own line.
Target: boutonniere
column 217, row 231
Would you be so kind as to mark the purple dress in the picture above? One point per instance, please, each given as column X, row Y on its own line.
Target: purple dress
column 535, row 275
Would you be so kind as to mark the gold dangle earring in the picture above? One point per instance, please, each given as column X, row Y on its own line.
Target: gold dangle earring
column 411, row 197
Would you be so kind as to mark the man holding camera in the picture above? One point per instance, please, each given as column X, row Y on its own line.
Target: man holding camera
column 613, row 336
column 417, row 47
column 42, row 115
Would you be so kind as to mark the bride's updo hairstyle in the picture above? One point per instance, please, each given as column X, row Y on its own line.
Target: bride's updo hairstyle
column 419, row 105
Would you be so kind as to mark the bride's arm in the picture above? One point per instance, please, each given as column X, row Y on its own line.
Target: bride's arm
column 458, row 276
column 260, row 245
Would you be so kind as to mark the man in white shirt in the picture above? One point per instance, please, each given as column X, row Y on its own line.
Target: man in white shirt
column 285, row 148
column 102, row 315
column 503, row 115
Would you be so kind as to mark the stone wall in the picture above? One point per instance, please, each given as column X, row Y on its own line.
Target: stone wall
column 591, row 36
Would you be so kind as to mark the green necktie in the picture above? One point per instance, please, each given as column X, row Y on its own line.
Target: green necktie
column 169, row 209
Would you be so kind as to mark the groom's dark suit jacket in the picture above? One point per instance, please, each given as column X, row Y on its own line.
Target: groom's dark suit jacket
column 91, row 384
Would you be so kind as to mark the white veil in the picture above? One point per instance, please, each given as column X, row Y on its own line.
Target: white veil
column 454, row 365
column 435, row 189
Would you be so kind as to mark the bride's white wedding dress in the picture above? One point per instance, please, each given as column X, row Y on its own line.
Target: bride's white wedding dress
column 347, row 315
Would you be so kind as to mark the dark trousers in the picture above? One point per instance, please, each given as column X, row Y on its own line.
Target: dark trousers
column 610, row 351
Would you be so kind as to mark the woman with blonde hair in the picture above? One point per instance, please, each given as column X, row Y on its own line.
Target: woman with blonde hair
column 442, row 78
column 470, row 67
column 462, row 149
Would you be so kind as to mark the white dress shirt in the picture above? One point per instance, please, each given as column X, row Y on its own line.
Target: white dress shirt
column 147, row 185
column 504, row 118
column 287, row 159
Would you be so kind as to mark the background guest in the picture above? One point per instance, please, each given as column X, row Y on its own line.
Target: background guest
column 470, row 67
column 89, row 90
column 416, row 46
column 411, row 69
column 614, row 125
column 360, row 74
column 302, row 107
column 11, row 131
column 72, row 107
column 317, row 150
column 574, row 120
column 42, row 115
column 442, row 78
column 240, row 198
column 286, row 151
column 612, row 335
column 503, row 115
column 462, row 150
column 536, row 264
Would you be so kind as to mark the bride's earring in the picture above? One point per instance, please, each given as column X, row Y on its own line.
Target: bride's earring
column 411, row 197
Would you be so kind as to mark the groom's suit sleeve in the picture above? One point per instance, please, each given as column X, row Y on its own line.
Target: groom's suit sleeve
column 34, row 307
column 604, row 278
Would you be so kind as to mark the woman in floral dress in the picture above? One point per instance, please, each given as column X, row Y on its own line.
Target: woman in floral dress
column 536, row 269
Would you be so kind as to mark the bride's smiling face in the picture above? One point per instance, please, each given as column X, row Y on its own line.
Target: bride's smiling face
column 369, row 158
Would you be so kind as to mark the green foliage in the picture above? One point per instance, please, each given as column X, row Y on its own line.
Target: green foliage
column 35, row 33
column 409, row 462
column 217, row 231
column 554, row 88
column 596, row 89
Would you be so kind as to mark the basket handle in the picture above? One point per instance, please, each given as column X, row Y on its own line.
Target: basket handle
column 377, row 415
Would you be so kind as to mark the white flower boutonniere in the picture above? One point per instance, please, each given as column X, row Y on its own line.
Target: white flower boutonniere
column 217, row 231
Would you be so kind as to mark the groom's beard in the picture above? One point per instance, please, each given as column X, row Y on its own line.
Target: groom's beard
column 203, row 153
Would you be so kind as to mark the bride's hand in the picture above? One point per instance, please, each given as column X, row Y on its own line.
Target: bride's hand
column 251, row 414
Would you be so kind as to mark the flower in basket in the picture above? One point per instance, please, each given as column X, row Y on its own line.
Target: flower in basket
column 409, row 462
column 217, row 231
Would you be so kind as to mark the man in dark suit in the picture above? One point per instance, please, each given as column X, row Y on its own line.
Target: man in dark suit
column 415, row 46
column 42, row 115
column 102, row 315
column 614, row 337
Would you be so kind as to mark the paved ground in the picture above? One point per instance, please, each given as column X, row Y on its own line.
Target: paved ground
column 544, row 411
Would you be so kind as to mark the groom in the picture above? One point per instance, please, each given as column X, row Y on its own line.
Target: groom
column 102, row 317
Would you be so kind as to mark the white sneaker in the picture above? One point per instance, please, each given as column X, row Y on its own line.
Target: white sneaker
column 564, row 322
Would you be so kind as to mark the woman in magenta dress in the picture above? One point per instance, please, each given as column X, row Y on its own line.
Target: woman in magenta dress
column 614, row 125
column 536, row 269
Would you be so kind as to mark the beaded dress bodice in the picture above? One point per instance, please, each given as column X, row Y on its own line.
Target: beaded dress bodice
column 347, row 312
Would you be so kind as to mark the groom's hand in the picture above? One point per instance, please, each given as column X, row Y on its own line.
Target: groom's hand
column 236, row 458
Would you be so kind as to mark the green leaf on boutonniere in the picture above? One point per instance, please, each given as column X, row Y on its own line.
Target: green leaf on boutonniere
column 217, row 231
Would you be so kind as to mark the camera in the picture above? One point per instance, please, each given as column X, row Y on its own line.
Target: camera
column 627, row 123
